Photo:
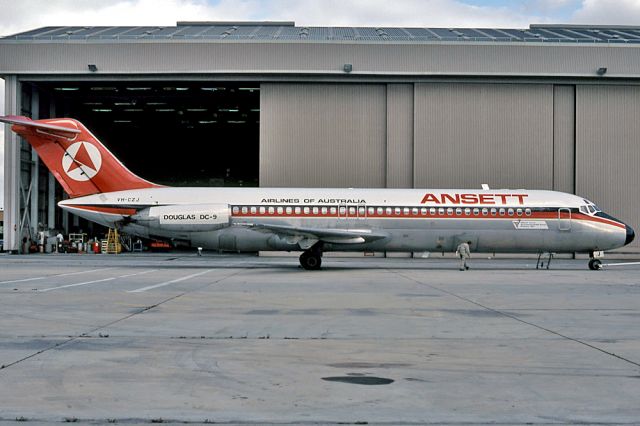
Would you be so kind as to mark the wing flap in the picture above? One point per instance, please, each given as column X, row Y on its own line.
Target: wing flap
column 329, row 235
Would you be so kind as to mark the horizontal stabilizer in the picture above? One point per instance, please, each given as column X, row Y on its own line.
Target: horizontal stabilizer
column 24, row 121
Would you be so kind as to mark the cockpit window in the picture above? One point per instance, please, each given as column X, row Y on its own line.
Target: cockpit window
column 590, row 207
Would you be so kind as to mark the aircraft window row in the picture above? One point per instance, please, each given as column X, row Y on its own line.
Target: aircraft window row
column 362, row 211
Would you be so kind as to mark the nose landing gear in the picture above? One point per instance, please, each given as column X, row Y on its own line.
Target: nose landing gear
column 595, row 264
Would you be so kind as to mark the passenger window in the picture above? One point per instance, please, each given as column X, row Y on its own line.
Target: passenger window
column 380, row 211
column 324, row 210
column 458, row 211
column 485, row 212
column 423, row 211
column 389, row 211
column 297, row 210
column 253, row 210
column 467, row 211
column 432, row 211
column 493, row 212
column 414, row 212
column 527, row 212
column 510, row 212
column 306, row 210
column 371, row 211
column 262, row 210
column 352, row 211
column 361, row 211
column 398, row 211
column 272, row 210
column 280, row 210
column 333, row 210
column 519, row 212
column 476, row 212
column 405, row 211
column 502, row 212
column 450, row 211
column 245, row 210
column 289, row 210
column 343, row 210
column 315, row 210
column 441, row 211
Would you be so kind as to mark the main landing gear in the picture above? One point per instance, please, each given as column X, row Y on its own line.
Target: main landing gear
column 311, row 259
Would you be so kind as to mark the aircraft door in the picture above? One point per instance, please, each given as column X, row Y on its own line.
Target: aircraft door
column 352, row 212
column 362, row 211
column 227, row 242
column 343, row 211
column 564, row 219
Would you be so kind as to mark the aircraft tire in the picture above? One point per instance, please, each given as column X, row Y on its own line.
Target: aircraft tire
column 595, row 264
column 310, row 261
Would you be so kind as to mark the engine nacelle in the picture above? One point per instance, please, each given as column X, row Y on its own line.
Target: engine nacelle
column 184, row 218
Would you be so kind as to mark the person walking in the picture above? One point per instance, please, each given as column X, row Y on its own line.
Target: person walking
column 464, row 252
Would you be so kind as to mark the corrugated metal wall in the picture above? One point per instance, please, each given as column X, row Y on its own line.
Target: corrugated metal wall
column 469, row 134
column 564, row 132
column 425, row 135
column 324, row 135
column 608, row 149
column 400, row 136
column 294, row 57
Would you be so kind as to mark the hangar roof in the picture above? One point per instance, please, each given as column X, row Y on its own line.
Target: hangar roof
column 288, row 31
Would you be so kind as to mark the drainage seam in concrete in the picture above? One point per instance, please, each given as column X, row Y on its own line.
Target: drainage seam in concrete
column 518, row 319
column 87, row 333
column 311, row 422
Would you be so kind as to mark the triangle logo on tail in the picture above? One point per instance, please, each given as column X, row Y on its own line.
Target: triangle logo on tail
column 81, row 161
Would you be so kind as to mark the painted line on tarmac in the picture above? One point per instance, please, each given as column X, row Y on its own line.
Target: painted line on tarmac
column 88, row 333
column 76, row 285
column 24, row 280
column 138, row 273
column 96, row 281
column 166, row 283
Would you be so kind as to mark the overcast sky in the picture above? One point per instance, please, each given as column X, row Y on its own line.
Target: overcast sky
column 22, row 15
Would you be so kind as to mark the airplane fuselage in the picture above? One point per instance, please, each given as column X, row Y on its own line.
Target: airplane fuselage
column 256, row 219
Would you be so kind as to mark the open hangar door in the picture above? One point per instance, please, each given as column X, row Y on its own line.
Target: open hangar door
column 171, row 133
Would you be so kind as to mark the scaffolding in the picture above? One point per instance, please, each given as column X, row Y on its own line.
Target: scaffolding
column 112, row 244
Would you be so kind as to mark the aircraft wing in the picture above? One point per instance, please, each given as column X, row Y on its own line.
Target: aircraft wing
column 307, row 237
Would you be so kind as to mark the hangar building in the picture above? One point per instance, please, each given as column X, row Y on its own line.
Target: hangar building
column 275, row 104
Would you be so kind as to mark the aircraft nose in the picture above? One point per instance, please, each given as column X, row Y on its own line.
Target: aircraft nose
column 630, row 235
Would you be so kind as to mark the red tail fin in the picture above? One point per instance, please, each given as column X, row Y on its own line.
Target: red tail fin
column 81, row 164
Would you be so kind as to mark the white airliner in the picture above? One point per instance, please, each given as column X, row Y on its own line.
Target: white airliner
column 314, row 221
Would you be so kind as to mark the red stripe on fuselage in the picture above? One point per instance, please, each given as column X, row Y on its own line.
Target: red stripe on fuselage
column 109, row 210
